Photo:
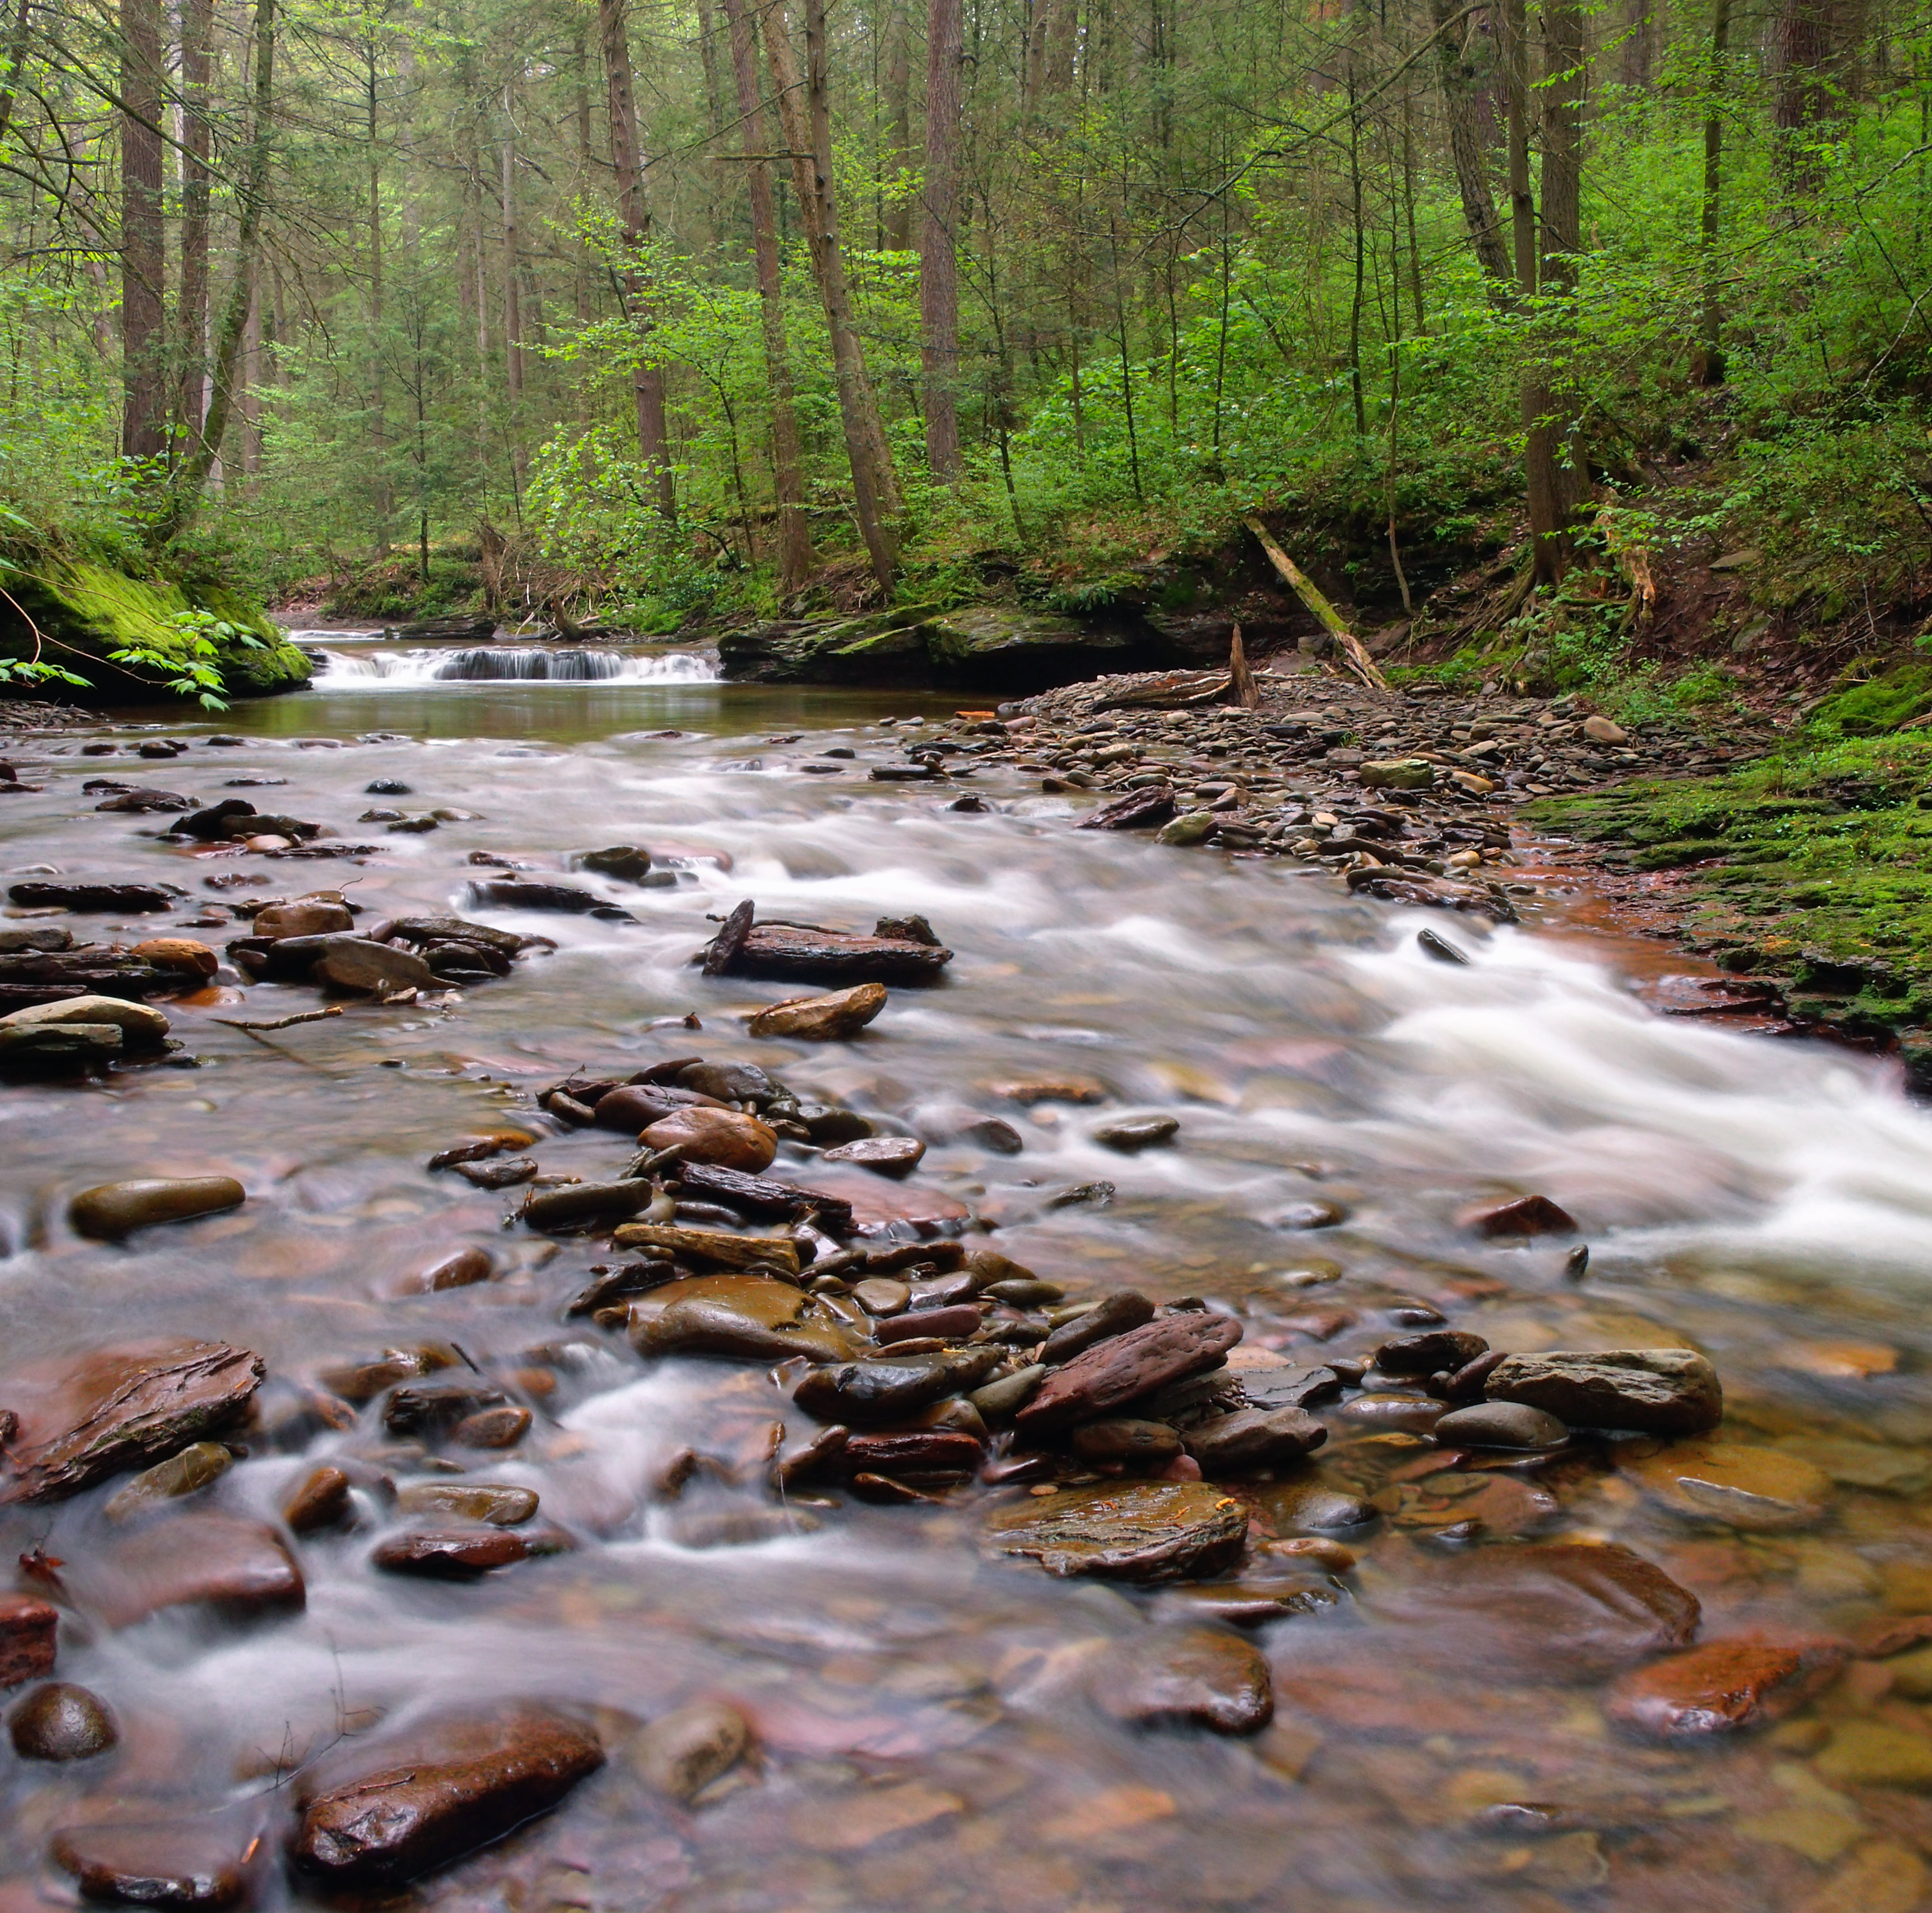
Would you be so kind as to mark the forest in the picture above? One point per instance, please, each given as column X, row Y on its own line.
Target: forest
column 663, row 313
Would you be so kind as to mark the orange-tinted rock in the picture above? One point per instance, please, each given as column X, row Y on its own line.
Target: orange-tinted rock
column 389, row 1816
column 170, row 1862
column 60, row 1721
column 28, row 1628
column 755, row 1317
column 455, row 1554
column 501, row 1427
column 1187, row 1676
column 304, row 917
column 1142, row 1531
column 1126, row 1367
column 110, row 1211
column 1723, row 1687
column 461, row 1268
column 239, row 1568
column 725, row 1137
column 84, row 1417
column 320, row 1499
column 184, row 956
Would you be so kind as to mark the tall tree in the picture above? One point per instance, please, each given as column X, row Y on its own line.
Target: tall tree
column 191, row 305
column 938, row 255
column 1707, row 364
column 1456, row 41
column 144, row 407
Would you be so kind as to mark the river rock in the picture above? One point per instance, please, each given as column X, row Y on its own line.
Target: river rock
column 320, row 1499
column 916, row 1452
column 1390, row 1412
column 59, row 1048
column 1196, row 1676
column 629, row 863
column 1427, row 1353
column 1145, row 1531
column 633, row 1106
column 497, row 1503
column 109, row 1211
column 1724, row 1483
column 170, row 1862
column 514, row 893
column 999, row 1401
column 752, row 1317
column 884, row 1155
column 184, row 956
column 1125, row 1367
column 219, row 823
column 198, row 1464
column 815, row 955
column 1501, row 1425
column 456, row 1554
column 1252, row 1438
column 723, row 1247
column 825, row 1019
column 1877, row 1753
column 239, row 1569
column 306, row 916
column 401, row 1812
column 953, row 1324
column 680, row 1753
column 433, row 1407
column 1656, row 1391
column 28, row 1632
column 1308, row 1504
column 881, row 1295
column 60, row 1721
column 1144, row 809
column 585, row 1205
column 1134, row 1133
column 724, row 1137
column 1523, row 1216
column 83, row 1418
column 357, row 965
column 503, row 1425
column 458, row 1268
column 1723, row 1687
column 1125, row 1308
column 1602, row 731
column 1147, row 1447
column 1398, row 774
column 141, row 1027
column 871, row 1392
column 142, row 801
column 94, row 899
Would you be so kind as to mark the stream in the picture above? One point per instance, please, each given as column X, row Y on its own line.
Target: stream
column 929, row 1732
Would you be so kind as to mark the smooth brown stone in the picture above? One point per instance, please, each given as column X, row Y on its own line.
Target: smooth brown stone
column 1655, row 1391
column 1760, row 1490
column 1524, row 1216
column 461, row 1554
column 1723, row 1687
column 111, row 1210
column 884, row 1155
column 28, row 1632
column 459, row 1268
column 60, row 1721
column 1196, row 1676
column 1308, row 1504
column 784, row 952
column 922, row 1451
column 1126, row 1367
column 182, row 956
column 752, row 1317
column 159, row 1862
column 497, row 1503
column 320, row 1499
column 84, row 1417
column 402, row 1810
column 724, row 1137
column 239, row 1568
column 825, row 1019
column 1126, row 1308
column 723, row 1247
column 1136, row 1444
column 1427, row 1353
column 194, row 1469
column 502, row 1426
column 306, row 916
column 432, row 1407
column 889, row 1390
column 1501, row 1425
column 1407, row 1415
column 1251, row 1439
column 361, row 968
column 680, row 1754
column 1145, row 1531
column 953, row 1324
column 881, row 1295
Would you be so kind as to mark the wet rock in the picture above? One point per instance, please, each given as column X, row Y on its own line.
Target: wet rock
column 1115, row 1314
column 1145, row 809
column 170, row 1862
column 1723, row 1687
column 953, row 1325
column 880, row 1295
column 142, row 801
column 1760, row 1490
column 498, row 1504
column 629, row 863
column 585, row 1205
column 433, row 1407
column 83, row 1418
column 516, row 893
column 859, row 1820
column 724, row 1137
column 999, row 1401
column 1195, row 1677
column 814, row 955
column 634, row 1107
column 1147, row 1446
column 59, row 1048
column 681, row 1753
column 461, row 1268
column 824, row 1019
column 233, row 817
column 1309, row 1505
column 239, row 1569
column 197, row 1465
column 1501, row 1425
column 884, row 1155
column 1407, row 1414
column 1135, row 1133
column 319, row 1500
column 306, row 916
column 502, row 1426
column 1146, row 1531
column 723, row 1247
column 1398, row 774
column 506, row 1172
column 28, row 1632
column 355, row 965
column 1126, row 1367
column 141, row 1027
column 1425, row 1354
column 750, row 1317
column 94, row 899
column 1253, row 1438
column 457, row 1554
column 400, row 1812
column 60, row 1721
column 1025, row 1292
column 1656, row 1391
column 919, row 1452
column 1525, row 1216
column 111, row 1211
column 973, row 1127
column 1311, row 1214
column 1874, row 1753
column 182, row 956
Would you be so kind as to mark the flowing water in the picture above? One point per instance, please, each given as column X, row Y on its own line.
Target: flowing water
column 928, row 1735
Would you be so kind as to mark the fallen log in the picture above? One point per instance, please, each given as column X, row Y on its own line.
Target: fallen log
column 1303, row 587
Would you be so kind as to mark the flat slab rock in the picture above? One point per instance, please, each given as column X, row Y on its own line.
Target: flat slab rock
column 85, row 1417
column 812, row 956
column 1723, row 1687
column 1657, row 1391
column 240, row 1569
column 387, row 1815
column 161, row 1862
column 752, row 1317
column 1145, row 1531
column 1125, row 1367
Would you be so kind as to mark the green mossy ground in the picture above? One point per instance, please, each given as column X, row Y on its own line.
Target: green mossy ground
column 1813, row 867
column 85, row 611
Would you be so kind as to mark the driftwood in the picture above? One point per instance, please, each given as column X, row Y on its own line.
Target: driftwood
column 1303, row 587
column 1240, row 676
column 1172, row 690
column 282, row 1022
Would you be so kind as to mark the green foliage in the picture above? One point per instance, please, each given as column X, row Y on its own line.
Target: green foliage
column 1878, row 704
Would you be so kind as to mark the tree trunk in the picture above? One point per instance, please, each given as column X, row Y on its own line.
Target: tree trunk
column 1462, row 102
column 1062, row 32
column 513, row 317
column 938, row 256
column 143, row 329
column 1564, row 58
column 1707, row 363
column 1640, row 50
column 809, row 138
column 898, row 125
column 249, row 404
column 1808, row 32
column 626, row 153
column 191, row 307
column 378, row 430
column 794, row 542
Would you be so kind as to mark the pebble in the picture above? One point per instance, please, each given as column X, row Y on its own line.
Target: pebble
column 823, row 1019
column 1501, row 1425
column 497, row 1503
column 1877, row 1753
column 751, row 1317
column 450, row 1554
column 320, row 1499
column 1723, row 1687
column 1115, row 1314
column 1251, row 1439
column 1140, row 1531
column 724, row 1137
column 1524, row 1216
column 60, row 1721
column 1655, row 1391
column 681, row 1753
column 171, row 1862
column 884, row 1155
column 29, row 1629
column 110, row 1211
column 194, row 1467
column 1148, row 1446
column 1134, row 1134
column 1196, row 1676
column 1409, row 1415
column 1425, row 1354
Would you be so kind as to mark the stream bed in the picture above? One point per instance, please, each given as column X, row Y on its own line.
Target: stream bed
column 933, row 1725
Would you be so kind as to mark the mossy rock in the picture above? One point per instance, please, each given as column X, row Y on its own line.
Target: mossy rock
column 85, row 611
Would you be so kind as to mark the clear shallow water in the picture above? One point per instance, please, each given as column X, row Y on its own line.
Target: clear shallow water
column 1767, row 1201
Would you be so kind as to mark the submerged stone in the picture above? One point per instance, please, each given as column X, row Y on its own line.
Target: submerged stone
column 1142, row 1532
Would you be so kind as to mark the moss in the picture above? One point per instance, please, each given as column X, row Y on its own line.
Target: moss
column 85, row 611
column 1879, row 704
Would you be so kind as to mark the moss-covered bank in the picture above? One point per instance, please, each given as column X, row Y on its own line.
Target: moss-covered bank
column 80, row 613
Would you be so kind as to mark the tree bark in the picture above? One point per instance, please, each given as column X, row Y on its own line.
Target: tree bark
column 633, row 207
column 1808, row 35
column 808, row 131
column 899, row 124
column 1639, row 50
column 938, row 256
column 143, row 325
column 1564, row 55
column 191, row 306
column 795, row 560
column 513, row 317
column 1707, row 363
column 1462, row 103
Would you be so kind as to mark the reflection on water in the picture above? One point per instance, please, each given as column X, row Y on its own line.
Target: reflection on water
column 931, row 1730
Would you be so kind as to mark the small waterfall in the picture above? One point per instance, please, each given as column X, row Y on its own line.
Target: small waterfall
column 505, row 663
